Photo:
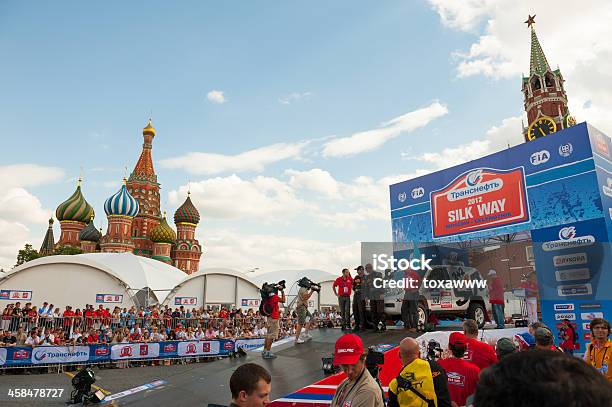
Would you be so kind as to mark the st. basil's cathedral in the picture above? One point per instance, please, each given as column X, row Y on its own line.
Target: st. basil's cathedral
column 135, row 222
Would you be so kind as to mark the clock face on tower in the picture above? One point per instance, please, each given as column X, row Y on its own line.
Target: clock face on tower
column 541, row 127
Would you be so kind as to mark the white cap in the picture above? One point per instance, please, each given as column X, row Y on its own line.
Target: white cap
column 492, row 272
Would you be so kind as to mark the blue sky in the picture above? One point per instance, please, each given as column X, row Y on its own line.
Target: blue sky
column 79, row 82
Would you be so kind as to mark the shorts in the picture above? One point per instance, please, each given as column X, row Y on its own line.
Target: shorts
column 302, row 313
column 273, row 327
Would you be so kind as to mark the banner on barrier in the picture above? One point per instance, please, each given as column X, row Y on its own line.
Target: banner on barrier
column 59, row 354
column 134, row 351
column 24, row 356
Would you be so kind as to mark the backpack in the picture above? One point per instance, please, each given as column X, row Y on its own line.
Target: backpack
column 265, row 307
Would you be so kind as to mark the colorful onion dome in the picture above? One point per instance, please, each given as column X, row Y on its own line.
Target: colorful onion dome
column 75, row 208
column 90, row 233
column 163, row 233
column 122, row 203
column 187, row 212
column 149, row 129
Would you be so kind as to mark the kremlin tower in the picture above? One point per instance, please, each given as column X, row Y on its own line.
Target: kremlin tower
column 135, row 223
column 143, row 186
column 187, row 250
column 120, row 209
column 73, row 215
column 545, row 97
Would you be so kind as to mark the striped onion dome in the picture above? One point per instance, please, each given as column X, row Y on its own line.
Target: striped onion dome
column 187, row 212
column 122, row 203
column 90, row 233
column 75, row 208
column 163, row 233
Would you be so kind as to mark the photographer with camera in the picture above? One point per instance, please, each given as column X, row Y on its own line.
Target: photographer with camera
column 307, row 288
column 414, row 385
column 359, row 389
column 359, row 311
column 269, row 308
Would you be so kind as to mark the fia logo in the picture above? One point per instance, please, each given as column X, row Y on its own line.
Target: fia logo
column 565, row 150
column 417, row 192
column 540, row 157
column 473, row 178
column 567, row 233
column 401, row 197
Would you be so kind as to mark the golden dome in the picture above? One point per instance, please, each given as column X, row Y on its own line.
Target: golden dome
column 149, row 129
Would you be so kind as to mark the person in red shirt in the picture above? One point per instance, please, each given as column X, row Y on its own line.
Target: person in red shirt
column 462, row 375
column 69, row 316
column 568, row 334
column 479, row 353
column 272, row 324
column 224, row 314
column 342, row 288
column 496, row 298
column 92, row 337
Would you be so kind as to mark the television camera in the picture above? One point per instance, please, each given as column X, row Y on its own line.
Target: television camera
column 305, row 282
column 268, row 290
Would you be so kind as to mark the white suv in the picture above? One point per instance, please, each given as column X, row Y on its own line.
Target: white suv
column 444, row 302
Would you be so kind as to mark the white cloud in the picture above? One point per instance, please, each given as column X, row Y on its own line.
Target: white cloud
column 19, row 205
column 263, row 198
column 497, row 139
column 242, row 251
column 293, row 97
column 13, row 237
column 28, row 175
column 579, row 45
column 370, row 140
column 216, row 96
column 316, row 180
column 252, row 160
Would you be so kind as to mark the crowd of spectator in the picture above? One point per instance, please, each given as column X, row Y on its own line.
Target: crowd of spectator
column 48, row 325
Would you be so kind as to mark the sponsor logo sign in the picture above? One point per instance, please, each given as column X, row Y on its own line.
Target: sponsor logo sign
column 574, row 290
column 589, row 316
column 185, row 301
column 561, row 317
column 21, row 354
column 417, row 193
column 169, row 348
column 194, row 348
column 607, row 189
column 455, row 378
column 568, row 238
column 15, row 295
column 249, row 344
column 65, row 354
column 402, row 197
column 539, row 157
column 250, row 302
column 565, row 150
column 102, row 351
column 573, row 259
column 3, row 354
column 135, row 351
column 601, row 144
column 564, row 307
column 109, row 298
column 479, row 200
column 590, row 305
column 573, row 274
column 587, row 336
column 586, row 326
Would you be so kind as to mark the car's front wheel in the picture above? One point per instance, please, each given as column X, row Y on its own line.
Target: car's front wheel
column 477, row 312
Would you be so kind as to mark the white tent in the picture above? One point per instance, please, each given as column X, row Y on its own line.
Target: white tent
column 112, row 279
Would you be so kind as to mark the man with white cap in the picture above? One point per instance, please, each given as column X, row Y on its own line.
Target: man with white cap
column 496, row 298
column 359, row 389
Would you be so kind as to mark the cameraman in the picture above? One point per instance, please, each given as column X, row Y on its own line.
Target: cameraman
column 302, row 312
column 272, row 323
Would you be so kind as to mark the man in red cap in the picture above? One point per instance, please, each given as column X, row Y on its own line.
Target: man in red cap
column 462, row 375
column 359, row 389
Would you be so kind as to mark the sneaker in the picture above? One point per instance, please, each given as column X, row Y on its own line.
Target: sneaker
column 269, row 355
column 308, row 337
column 300, row 341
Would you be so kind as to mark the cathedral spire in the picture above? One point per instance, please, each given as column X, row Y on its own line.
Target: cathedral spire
column 48, row 244
column 538, row 63
column 143, row 171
